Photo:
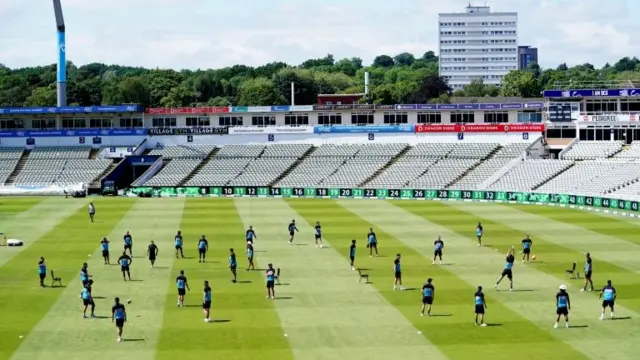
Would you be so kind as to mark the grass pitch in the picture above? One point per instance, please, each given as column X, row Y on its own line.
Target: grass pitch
column 321, row 310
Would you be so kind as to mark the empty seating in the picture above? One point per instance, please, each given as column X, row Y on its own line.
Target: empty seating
column 590, row 150
column 286, row 150
column 312, row 170
column 529, row 174
column 218, row 171
column 355, row 171
column 174, row 172
column 60, row 152
column 443, row 173
column 9, row 158
column 263, row 171
column 401, row 172
column 513, row 150
column 472, row 150
column 594, row 177
column 184, row 151
column 43, row 172
column 241, row 151
column 633, row 151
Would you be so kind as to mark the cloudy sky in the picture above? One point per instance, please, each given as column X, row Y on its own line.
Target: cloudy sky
column 216, row 33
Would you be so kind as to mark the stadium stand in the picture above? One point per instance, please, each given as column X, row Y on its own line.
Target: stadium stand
column 9, row 158
column 180, row 161
column 594, row 177
column 632, row 151
column 184, row 152
column 530, row 174
column 591, row 150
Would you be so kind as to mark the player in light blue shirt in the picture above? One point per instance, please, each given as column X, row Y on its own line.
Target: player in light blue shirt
column 250, row 257
column 588, row 269
column 183, row 285
column 128, row 243
column 317, row 233
column 178, row 242
column 508, row 269
column 42, row 271
column 372, row 242
column 87, row 300
column 428, row 294
column 119, row 316
column 608, row 296
column 481, row 306
column 206, row 301
column 292, row 231
column 563, row 305
column 479, row 233
column 104, row 246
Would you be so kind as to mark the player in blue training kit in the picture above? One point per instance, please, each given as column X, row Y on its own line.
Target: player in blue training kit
column 588, row 269
column 104, row 245
column 438, row 245
column 372, row 242
column 317, row 232
column 481, row 305
column 250, row 257
column 563, row 305
column 397, row 271
column 119, row 316
column 84, row 274
column 128, row 243
column 608, row 296
column 250, row 236
column 87, row 300
column 479, row 233
column 270, row 277
column 233, row 265
column 203, row 247
column 352, row 254
column 125, row 261
column 183, row 285
column 179, row 243
column 42, row 271
column 508, row 269
column 526, row 248
column 428, row 294
column 206, row 301
column 292, row 230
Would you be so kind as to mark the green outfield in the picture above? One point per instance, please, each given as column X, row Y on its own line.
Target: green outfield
column 321, row 310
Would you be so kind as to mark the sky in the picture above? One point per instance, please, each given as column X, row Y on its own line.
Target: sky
column 201, row 34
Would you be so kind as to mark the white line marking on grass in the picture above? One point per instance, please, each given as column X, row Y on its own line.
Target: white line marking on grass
column 33, row 223
column 63, row 334
column 607, row 248
column 329, row 314
column 482, row 266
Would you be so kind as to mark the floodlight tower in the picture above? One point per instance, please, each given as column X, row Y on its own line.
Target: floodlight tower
column 62, row 61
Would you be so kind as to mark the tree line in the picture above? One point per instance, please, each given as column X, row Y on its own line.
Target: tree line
column 403, row 79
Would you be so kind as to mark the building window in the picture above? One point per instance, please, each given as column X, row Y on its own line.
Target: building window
column 496, row 117
column 430, row 118
column 164, row 122
column 604, row 106
column 329, row 119
column 74, row 123
column 131, row 123
column 230, row 120
column 16, row 124
column 629, row 105
column 43, row 123
column 296, row 120
column 362, row 118
column 396, row 118
column 100, row 123
column 462, row 117
column 198, row 121
column 263, row 120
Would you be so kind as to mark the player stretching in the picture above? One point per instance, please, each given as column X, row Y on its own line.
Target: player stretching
column 479, row 232
column 250, row 257
column 42, row 271
column 152, row 253
column 317, row 231
column 481, row 305
column 104, row 245
column 437, row 252
column 608, row 296
column 183, row 286
column 526, row 248
column 233, row 265
column 92, row 211
column 397, row 270
column 206, row 302
column 372, row 242
column 588, row 268
column 128, row 243
column 270, row 276
column 250, row 236
column 292, row 231
column 203, row 247
column 563, row 305
column 508, row 269
column 119, row 315
column 428, row 294
column 87, row 300
column 352, row 254
column 125, row 260
column 178, row 241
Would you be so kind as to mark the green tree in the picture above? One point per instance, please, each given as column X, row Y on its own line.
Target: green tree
column 384, row 61
column 306, row 92
column 180, row 95
column 519, row 83
column 260, row 92
column 475, row 89
column 404, row 59
column 43, row 96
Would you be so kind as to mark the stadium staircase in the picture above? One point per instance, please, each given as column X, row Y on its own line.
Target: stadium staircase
column 97, row 182
column 19, row 166
column 553, row 177
column 387, row 166
column 295, row 165
column 93, row 153
column 204, row 162
column 491, row 156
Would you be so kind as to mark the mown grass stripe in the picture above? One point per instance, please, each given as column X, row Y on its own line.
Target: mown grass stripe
column 247, row 325
column 330, row 313
column 30, row 218
column 465, row 264
column 459, row 227
column 65, row 245
column 148, row 219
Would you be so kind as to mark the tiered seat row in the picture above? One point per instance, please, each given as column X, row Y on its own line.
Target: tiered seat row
column 9, row 158
column 183, row 151
column 530, row 174
column 590, row 150
column 174, row 172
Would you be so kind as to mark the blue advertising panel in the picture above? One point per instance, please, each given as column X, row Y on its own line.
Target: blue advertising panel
column 281, row 108
column 468, row 106
column 355, row 129
column 79, row 132
column 74, row 110
column 591, row 93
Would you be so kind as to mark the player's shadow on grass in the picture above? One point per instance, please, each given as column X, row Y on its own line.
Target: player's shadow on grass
column 244, row 281
column 101, row 317
column 56, row 287
column 283, row 284
column 441, row 315
column 524, row 290
column 191, row 305
column 132, row 340
column 135, row 280
column 283, row 298
column 578, row 326
column 621, row 318
column 220, row 320
column 297, row 244
column 410, row 289
column 494, row 324
column 100, row 297
column 189, row 257
column 160, row 267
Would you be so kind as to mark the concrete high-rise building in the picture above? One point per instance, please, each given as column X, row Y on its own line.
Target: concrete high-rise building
column 477, row 44
column 527, row 55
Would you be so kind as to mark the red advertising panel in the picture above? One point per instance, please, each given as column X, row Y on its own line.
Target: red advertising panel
column 186, row 110
column 479, row 128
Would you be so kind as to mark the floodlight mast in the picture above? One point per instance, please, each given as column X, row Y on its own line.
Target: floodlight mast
column 62, row 61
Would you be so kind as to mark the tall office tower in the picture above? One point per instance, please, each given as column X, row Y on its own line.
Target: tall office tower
column 477, row 44
column 527, row 55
